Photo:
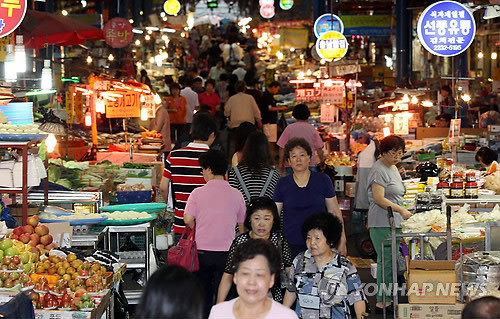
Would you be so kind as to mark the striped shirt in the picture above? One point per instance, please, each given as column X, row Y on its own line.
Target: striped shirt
column 183, row 169
column 254, row 181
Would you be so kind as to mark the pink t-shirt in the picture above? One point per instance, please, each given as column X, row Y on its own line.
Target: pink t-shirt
column 217, row 208
column 225, row 311
column 306, row 131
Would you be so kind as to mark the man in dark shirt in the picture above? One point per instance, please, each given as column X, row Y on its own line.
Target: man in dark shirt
column 269, row 112
column 253, row 90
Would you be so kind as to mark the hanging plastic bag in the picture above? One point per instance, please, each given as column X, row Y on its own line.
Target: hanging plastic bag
column 7, row 217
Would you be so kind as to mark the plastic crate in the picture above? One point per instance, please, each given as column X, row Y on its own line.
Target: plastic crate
column 132, row 197
column 138, row 239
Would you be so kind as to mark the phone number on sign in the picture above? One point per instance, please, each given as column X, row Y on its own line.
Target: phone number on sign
column 447, row 47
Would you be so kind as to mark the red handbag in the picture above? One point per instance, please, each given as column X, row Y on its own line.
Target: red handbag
column 185, row 253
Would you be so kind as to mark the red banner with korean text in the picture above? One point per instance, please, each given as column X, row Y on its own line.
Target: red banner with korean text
column 307, row 95
column 118, row 32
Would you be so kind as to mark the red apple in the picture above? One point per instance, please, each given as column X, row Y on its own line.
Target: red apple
column 28, row 229
column 45, row 240
column 80, row 292
column 18, row 231
column 42, row 230
column 9, row 283
column 40, row 246
column 6, row 260
column 83, row 273
column 33, row 220
column 24, row 238
column 16, row 260
column 14, row 236
column 35, row 238
column 51, row 246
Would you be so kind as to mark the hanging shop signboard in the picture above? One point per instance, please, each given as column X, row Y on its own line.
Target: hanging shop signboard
column 172, row 7
column 327, row 22
column 401, row 124
column 129, row 105
column 150, row 105
column 70, row 108
column 308, row 95
column 446, row 28
column 332, row 46
column 286, row 4
column 11, row 15
column 333, row 92
column 267, row 11
column 327, row 113
column 78, row 107
column 118, row 32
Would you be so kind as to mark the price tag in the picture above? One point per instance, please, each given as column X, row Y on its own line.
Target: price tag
column 327, row 113
column 401, row 124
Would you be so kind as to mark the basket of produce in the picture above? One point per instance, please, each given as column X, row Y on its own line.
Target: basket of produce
column 75, row 219
column 126, row 218
column 141, row 207
column 129, row 194
column 19, row 133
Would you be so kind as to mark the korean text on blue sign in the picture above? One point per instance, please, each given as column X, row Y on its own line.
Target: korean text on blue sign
column 446, row 28
column 327, row 22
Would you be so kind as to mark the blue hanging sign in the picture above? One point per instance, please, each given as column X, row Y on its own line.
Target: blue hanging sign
column 446, row 28
column 327, row 22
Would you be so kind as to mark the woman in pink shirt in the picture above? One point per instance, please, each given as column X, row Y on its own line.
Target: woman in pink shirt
column 301, row 128
column 257, row 262
column 214, row 209
column 209, row 97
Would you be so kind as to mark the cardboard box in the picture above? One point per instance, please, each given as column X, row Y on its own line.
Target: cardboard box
column 61, row 233
column 97, row 313
column 407, row 311
column 432, row 282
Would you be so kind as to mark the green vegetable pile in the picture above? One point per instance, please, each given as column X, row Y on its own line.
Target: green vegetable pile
column 81, row 176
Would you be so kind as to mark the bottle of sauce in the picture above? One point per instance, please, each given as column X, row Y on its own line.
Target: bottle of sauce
column 457, row 190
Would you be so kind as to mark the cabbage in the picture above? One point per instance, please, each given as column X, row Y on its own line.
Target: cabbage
column 64, row 182
column 54, row 173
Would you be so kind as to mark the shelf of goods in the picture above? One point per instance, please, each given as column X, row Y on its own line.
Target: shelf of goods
column 24, row 146
column 132, row 259
column 69, row 197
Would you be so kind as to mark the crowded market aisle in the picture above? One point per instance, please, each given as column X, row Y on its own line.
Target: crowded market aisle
column 167, row 163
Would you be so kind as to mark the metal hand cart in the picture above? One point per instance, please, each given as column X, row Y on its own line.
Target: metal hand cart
column 421, row 237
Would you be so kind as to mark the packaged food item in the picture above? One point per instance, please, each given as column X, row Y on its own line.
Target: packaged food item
column 444, row 188
column 470, row 177
column 457, row 190
column 471, row 190
column 458, row 178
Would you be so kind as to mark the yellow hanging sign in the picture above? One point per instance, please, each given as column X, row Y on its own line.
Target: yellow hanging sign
column 172, row 7
column 332, row 46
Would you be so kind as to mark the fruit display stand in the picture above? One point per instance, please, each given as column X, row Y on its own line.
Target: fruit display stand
column 102, row 308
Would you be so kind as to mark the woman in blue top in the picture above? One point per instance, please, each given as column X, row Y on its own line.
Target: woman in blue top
column 302, row 194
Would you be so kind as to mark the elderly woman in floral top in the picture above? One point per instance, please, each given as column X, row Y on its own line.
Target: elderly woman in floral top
column 326, row 283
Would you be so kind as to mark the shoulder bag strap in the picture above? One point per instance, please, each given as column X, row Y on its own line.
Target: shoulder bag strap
column 242, row 183
column 186, row 231
column 268, row 181
column 280, row 248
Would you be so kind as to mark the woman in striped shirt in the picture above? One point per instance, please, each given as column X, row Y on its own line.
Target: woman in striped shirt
column 255, row 176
